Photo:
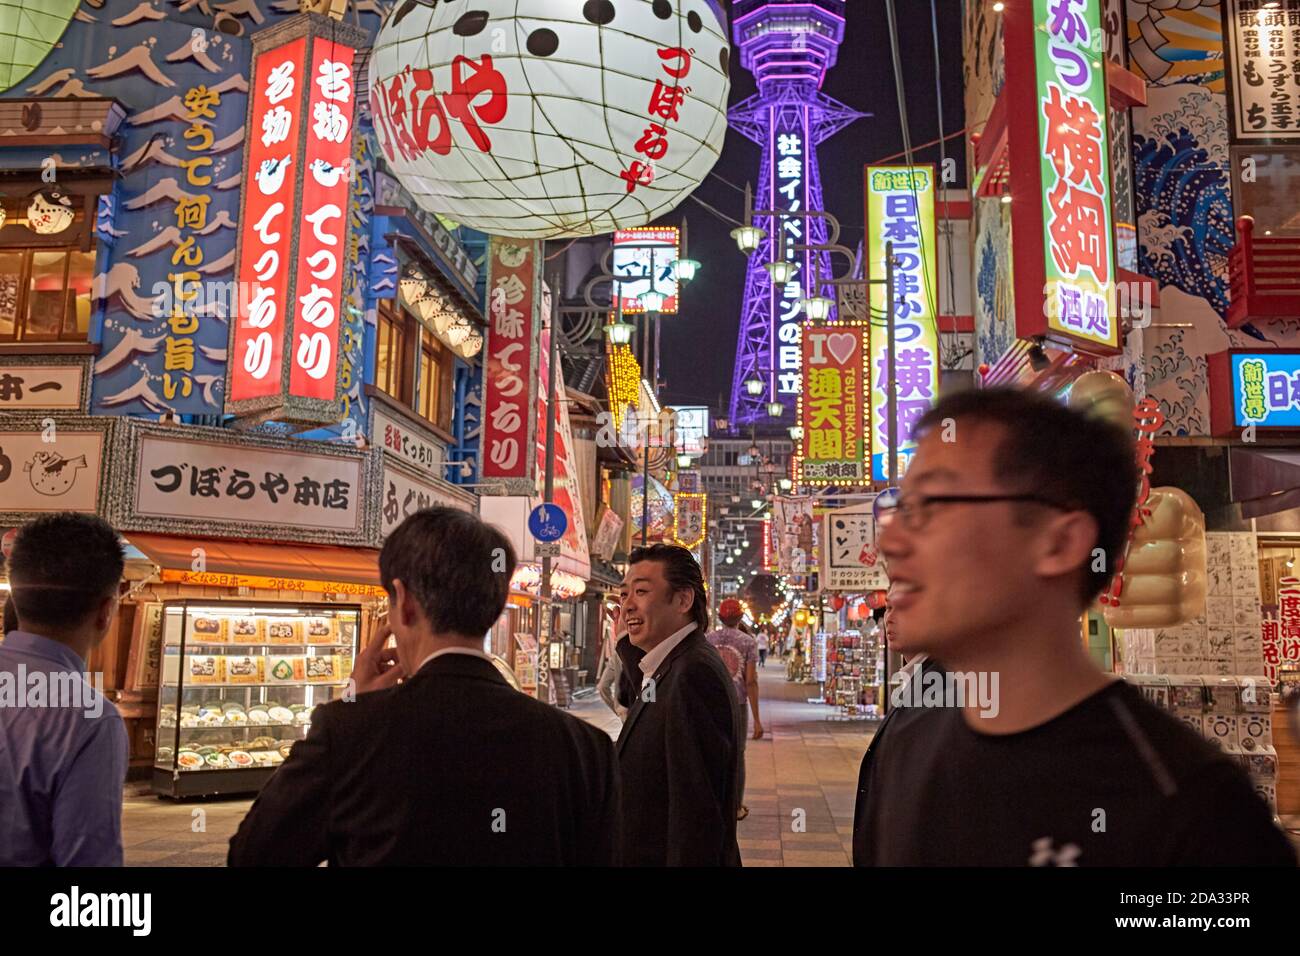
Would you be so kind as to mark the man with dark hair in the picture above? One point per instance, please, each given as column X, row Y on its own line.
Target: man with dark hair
column 438, row 761
column 1010, row 519
column 63, row 745
column 681, row 741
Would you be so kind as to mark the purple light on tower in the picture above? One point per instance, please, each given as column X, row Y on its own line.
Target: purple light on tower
column 788, row 47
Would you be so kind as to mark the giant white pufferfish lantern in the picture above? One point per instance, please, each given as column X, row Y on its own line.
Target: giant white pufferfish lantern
column 540, row 119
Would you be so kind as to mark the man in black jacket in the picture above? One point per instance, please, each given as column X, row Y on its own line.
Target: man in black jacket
column 449, row 766
column 680, row 743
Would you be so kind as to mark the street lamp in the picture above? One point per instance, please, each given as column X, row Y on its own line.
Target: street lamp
column 748, row 237
column 738, row 552
column 786, row 484
column 781, row 271
column 652, row 300
column 619, row 332
column 754, row 386
column 818, row 307
column 683, row 460
column 775, row 409
column 756, row 503
column 730, row 559
column 796, row 432
column 686, row 269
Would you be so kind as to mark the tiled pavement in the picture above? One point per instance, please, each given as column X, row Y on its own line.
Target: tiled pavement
column 803, row 763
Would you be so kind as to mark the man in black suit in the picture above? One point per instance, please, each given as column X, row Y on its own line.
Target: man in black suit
column 437, row 760
column 680, row 743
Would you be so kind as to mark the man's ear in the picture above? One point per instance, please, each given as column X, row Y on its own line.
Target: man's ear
column 104, row 612
column 1066, row 545
column 404, row 606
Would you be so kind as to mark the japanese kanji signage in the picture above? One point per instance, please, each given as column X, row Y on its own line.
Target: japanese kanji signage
column 1263, row 48
column 1060, row 181
column 510, row 385
column 900, row 209
column 401, row 439
column 645, row 259
column 690, row 518
column 794, row 536
column 210, row 482
column 1259, row 389
column 789, row 193
column 607, row 534
column 574, row 553
column 833, row 407
column 850, row 561
column 47, row 466
column 285, row 339
column 403, row 495
column 1281, row 638
column 29, row 387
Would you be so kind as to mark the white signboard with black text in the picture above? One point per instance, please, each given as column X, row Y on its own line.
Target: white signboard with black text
column 1262, row 40
column 404, row 495
column 851, row 561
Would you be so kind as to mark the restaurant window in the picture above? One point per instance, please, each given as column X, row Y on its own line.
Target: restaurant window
column 1266, row 185
column 436, row 371
column 45, row 294
column 392, row 368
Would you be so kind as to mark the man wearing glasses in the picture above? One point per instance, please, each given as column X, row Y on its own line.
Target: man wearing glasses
column 1007, row 526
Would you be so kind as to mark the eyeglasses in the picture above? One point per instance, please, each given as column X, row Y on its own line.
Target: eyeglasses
column 915, row 511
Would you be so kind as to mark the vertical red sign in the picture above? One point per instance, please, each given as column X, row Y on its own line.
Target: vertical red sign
column 510, row 386
column 267, row 221
column 322, row 223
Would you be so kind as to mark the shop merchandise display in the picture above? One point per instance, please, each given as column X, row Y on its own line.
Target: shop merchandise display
column 1235, row 714
column 854, row 675
column 238, row 688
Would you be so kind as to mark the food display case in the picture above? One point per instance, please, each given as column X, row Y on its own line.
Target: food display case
column 238, row 685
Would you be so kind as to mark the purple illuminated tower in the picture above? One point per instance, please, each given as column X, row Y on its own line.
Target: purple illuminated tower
column 788, row 46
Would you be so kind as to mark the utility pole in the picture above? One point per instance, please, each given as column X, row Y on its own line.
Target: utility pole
column 548, row 496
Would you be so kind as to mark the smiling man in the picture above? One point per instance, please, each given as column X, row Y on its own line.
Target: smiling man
column 1009, row 522
column 680, row 743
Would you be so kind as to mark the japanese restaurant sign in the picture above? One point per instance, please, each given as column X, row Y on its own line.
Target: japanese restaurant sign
column 850, row 560
column 403, row 495
column 1061, row 186
column 1251, row 389
column 46, row 386
column 285, row 340
column 510, row 384
column 52, row 466
column 900, row 210
column 1263, row 48
column 204, row 482
column 1281, row 638
column 645, row 259
column 833, row 407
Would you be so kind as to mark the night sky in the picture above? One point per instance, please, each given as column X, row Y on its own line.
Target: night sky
column 700, row 342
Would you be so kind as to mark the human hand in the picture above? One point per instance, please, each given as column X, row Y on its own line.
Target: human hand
column 758, row 731
column 378, row 666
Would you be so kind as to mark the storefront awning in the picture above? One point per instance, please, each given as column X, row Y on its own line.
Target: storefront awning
column 285, row 567
column 1264, row 482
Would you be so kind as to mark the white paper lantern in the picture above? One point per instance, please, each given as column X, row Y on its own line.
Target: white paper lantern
column 459, row 333
column 412, row 287
column 537, row 120
column 49, row 213
column 471, row 346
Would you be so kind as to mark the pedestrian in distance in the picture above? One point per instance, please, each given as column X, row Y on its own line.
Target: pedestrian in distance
column 1009, row 522
column 63, row 757
column 436, row 759
column 738, row 651
column 681, row 743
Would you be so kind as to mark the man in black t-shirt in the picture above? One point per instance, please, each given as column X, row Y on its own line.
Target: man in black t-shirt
column 1008, row 746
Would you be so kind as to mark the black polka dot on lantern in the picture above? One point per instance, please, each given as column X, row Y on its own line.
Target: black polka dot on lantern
column 724, row 58
column 694, row 22
column 662, row 9
column 470, row 23
column 543, row 42
column 599, row 12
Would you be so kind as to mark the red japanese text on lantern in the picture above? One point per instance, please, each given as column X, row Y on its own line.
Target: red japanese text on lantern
column 663, row 107
column 414, row 117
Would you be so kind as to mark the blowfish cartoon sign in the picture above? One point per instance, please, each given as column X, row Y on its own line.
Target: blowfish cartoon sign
column 1061, row 181
column 284, row 348
column 525, row 121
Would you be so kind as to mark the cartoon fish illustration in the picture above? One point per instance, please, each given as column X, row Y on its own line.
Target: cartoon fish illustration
column 327, row 175
column 51, row 474
column 271, row 175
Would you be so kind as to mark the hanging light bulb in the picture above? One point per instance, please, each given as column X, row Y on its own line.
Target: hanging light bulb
column 748, row 237
column 754, row 386
column 781, row 271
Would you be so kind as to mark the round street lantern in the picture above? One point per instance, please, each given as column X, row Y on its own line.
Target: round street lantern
column 683, row 460
column 686, row 269
column 775, row 409
column 754, row 386
column 619, row 333
column 738, row 552
column 537, row 136
column 796, row 432
column 817, row 307
column 730, row 559
column 781, row 271
column 748, row 237
column 652, row 300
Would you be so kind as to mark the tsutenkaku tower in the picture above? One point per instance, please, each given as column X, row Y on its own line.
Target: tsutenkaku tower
column 788, row 46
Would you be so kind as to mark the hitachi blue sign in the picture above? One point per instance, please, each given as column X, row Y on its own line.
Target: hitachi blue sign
column 1266, row 389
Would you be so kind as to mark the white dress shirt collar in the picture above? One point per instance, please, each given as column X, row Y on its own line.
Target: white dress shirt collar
column 650, row 663
column 472, row 651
